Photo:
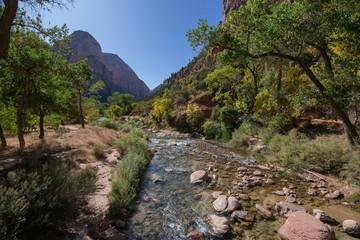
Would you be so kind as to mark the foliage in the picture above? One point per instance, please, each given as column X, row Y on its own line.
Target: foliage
column 109, row 123
column 126, row 180
column 211, row 129
column 36, row 198
column 241, row 136
column 53, row 120
column 124, row 103
column 194, row 115
column 161, row 109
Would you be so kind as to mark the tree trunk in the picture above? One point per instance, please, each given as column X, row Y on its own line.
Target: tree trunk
column 42, row 134
column 81, row 110
column 278, row 90
column 2, row 138
column 339, row 110
column 6, row 21
column 19, row 114
column 253, row 72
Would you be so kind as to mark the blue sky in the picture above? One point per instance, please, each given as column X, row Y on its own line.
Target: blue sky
column 149, row 35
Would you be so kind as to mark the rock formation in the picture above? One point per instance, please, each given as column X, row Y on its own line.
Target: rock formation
column 110, row 68
column 231, row 5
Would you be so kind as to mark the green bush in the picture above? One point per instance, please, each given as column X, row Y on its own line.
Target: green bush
column 239, row 138
column 109, row 124
column 44, row 195
column 133, row 148
column 133, row 142
column 265, row 135
column 278, row 123
column 351, row 171
column 211, row 129
column 99, row 151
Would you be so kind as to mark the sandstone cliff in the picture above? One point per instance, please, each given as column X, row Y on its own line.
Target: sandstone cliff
column 231, row 5
column 110, row 68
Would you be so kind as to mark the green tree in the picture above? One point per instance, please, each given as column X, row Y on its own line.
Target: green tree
column 298, row 31
column 124, row 101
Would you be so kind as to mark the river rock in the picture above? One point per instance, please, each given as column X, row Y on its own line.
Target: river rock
column 173, row 143
column 112, row 234
column 258, row 173
column 196, row 236
column 264, row 212
column 311, row 192
column 242, row 169
column 220, row 203
column 120, row 224
column 334, row 195
column 239, row 214
column 351, row 227
column 198, row 176
column 232, row 205
column 216, row 194
column 286, row 208
column 291, row 198
column 319, row 214
column 279, row 193
column 302, row 226
column 269, row 181
column 263, row 167
column 104, row 225
column 220, row 225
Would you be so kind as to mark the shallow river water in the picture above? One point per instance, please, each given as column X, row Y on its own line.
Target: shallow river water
column 170, row 207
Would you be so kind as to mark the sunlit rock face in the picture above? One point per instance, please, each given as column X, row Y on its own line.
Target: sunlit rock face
column 110, row 68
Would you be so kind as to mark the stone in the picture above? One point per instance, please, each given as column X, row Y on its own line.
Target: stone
column 196, row 236
column 269, row 181
column 216, row 194
column 198, row 176
column 242, row 169
column 112, row 234
column 264, row 212
column 262, row 167
column 319, row 214
column 279, row 193
column 173, row 143
column 120, row 224
column 104, row 225
column 257, row 182
column 157, row 180
column 287, row 191
column 220, row 225
column 334, row 195
column 286, row 208
column 312, row 192
column 239, row 214
column 220, row 203
column 351, row 227
column 291, row 198
column 258, row 173
column 243, row 197
column 232, row 205
column 302, row 226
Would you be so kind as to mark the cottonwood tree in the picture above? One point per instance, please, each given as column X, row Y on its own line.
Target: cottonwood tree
column 299, row 31
column 8, row 12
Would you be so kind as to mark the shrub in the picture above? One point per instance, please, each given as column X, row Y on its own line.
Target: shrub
column 241, row 136
column 41, row 196
column 278, row 123
column 99, row 151
column 133, row 142
column 109, row 124
column 265, row 135
column 211, row 129
column 351, row 172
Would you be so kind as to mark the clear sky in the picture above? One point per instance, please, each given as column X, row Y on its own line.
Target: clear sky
column 149, row 35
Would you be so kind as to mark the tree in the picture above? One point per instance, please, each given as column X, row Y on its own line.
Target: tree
column 124, row 101
column 8, row 14
column 298, row 31
column 80, row 75
column 29, row 58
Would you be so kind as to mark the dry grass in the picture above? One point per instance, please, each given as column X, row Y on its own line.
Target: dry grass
column 66, row 138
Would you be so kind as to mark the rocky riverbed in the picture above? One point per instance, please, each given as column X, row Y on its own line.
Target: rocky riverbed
column 203, row 190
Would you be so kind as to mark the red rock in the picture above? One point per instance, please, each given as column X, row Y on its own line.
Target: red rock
column 220, row 203
column 351, row 227
column 198, row 176
column 232, row 205
column 302, row 226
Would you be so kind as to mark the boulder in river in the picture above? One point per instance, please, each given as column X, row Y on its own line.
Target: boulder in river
column 302, row 226
column 198, row 176
column 232, row 205
column 351, row 227
column 216, row 194
column 239, row 214
column 220, row 225
column 286, row 208
column 221, row 203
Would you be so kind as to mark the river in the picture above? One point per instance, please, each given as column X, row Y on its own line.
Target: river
column 170, row 207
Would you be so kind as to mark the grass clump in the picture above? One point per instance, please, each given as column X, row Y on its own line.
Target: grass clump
column 35, row 199
column 242, row 135
column 135, row 153
column 109, row 124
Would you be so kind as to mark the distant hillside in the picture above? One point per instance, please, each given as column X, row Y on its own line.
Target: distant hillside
column 110, row 68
